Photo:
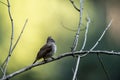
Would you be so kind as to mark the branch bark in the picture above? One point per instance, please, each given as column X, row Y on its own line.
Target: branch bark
column 11, row 41
column 4, row 65
column 79, row 26
column 58, row 58
column 74, row 5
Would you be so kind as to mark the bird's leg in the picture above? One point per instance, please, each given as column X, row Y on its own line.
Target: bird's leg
column 45, row 60
column 52, row 57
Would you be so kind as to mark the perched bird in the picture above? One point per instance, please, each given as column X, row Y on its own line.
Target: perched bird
column 47, row 50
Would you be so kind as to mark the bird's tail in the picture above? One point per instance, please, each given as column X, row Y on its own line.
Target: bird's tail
column 35, row 61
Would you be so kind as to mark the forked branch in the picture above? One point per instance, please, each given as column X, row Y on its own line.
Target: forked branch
column 58, row 58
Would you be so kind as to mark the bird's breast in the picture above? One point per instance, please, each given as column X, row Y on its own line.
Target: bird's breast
column 54, row 48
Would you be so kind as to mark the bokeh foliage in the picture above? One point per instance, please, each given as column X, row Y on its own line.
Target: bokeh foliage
column 45, row 18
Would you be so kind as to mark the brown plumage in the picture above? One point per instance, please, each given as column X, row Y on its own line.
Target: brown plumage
column 47, row 50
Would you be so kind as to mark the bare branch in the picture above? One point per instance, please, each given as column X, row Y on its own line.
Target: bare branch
column 86, row 32
column 3, row 3
column 103, row 66
column 84, row 43
column 99, row 58
column 58, row 58
column 95, row 45
column 80, row 53
column 75, row 43
column 12, row 25
column 12, row 36
column 76, row 68
column 74, row 5
column 79, row 26
column 1, row 69
column 20, row 35
column 73, row 72
column 101, row 35
column 17, row 40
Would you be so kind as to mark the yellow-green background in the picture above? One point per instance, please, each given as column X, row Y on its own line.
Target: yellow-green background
column 46, row 18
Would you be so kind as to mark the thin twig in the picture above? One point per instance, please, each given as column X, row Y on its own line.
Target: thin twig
column 12, row 36
column 74, row 5
column 76, row 68
column 75, row 43
column 86, row 32
column 17, row 40
column 1, row 69
column 99, row 58
column 84, row 43
column 103, row 66
column 4, row 3
column 80, row 22
column 98, row 41
column 96, row 46
column 101, row 35
column 63, row 55
column 74, row 30
column 20, row 35
column 73, row 72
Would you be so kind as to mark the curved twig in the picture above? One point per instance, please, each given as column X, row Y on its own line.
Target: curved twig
column 3, row 3
column 74, row 5
column 20, row 35
column 11, row 41
column 74, row 30
column 79, row 26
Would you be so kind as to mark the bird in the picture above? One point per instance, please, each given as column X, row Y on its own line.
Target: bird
column 47, row 51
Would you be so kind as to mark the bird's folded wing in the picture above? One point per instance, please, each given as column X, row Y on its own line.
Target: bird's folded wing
column 44, row 51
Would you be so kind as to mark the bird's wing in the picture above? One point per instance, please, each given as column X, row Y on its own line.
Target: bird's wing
column 43, row 51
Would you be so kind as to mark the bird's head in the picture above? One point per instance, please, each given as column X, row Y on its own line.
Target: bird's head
column 49, row 39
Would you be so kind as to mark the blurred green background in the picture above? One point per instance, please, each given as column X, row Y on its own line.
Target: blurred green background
column 46, row 18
